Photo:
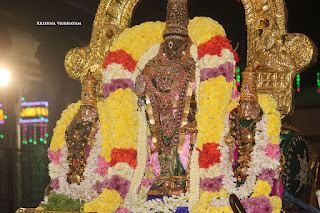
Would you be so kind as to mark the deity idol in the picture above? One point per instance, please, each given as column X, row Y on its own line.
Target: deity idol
column 166, row 85
column 164, row 128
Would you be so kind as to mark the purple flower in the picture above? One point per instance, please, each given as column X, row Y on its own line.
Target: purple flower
column 117, row 84
column 257, row 205
column 54, row 184
column 211, row 184
column 99, row 186
column 225, row 69
column 121, row 185
column 267, row 175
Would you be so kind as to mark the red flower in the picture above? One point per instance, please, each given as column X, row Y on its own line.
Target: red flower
column 123, row 155
column 209, row 155
column 214, row 47
column 120, row 57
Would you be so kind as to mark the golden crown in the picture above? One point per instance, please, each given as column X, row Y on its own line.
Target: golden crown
column 177, row 18
column 249, row 90
column 88, row 95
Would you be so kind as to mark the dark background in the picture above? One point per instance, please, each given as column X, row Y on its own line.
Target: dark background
column 38, row 73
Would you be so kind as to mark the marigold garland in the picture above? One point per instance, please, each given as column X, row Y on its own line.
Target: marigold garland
column 214, row 47
column 120, row 57
column 124, row 155
column 213, row 105
column 119, row 125
column 202, row 29
column 209, row 155
column 136, row 40
column 269, row 107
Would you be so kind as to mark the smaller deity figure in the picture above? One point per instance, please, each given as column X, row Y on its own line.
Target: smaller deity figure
column 80, row 133
column 166, row 84
column 243, row 121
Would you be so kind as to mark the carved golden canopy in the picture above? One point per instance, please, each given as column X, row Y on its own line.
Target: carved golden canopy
column 279, row 54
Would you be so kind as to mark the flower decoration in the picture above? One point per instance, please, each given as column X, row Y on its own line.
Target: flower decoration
column 214, row 47
column 211, row 184
column 120, row 57
column 124, row 155
column 121, row 185
column 102, row 166
column 54, row 156
column 209, row 155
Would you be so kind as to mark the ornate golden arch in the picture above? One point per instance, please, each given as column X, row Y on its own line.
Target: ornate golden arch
column 279, row 55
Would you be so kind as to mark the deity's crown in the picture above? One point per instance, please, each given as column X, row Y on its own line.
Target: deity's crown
column 177, row 18
column 88, row 95
column 249, row 89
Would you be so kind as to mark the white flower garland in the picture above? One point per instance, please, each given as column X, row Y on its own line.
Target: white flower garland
column 258, row 162
column 141, row 157
column 121, row 169
column 84, row 190
column 211, row 61
column 147, row 56
column 116, row 71
column 138, row 203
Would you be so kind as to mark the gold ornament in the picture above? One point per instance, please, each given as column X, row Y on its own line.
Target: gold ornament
column 177, row 18
column 88, row 96
column 248, row 91
column 111, row 18
column 280, row 55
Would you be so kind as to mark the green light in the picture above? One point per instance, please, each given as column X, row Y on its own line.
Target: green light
column 47, row 135
column 22, row 99
column 30, row 140
column 1, row 136
column 238, row 69
column 35, row 142
column 41, row 139
column 45, row 142
column 5, row 117
column 42, row 117
column 20, row 119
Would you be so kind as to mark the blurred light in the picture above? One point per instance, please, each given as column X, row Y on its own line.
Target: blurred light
column 1, row 136
column 298, row 83
column 4, row 77
column 22, row 99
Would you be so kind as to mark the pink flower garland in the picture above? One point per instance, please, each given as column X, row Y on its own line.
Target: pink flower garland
column 102, row 166
column 273, row 151
column 54, row 156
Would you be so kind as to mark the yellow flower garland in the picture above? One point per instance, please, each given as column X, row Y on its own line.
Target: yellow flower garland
column 58, row 138
column 119, row 122
column 213, row 106
column 138, row 39
column 202, row 29
column 269, row 108
column 262, row 188
column 107, row 201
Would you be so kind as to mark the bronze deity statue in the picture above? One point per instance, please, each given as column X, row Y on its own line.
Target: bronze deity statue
column 166, row 84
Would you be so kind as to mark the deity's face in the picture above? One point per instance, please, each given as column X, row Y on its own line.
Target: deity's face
column 174, row 47
column 249, row 110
